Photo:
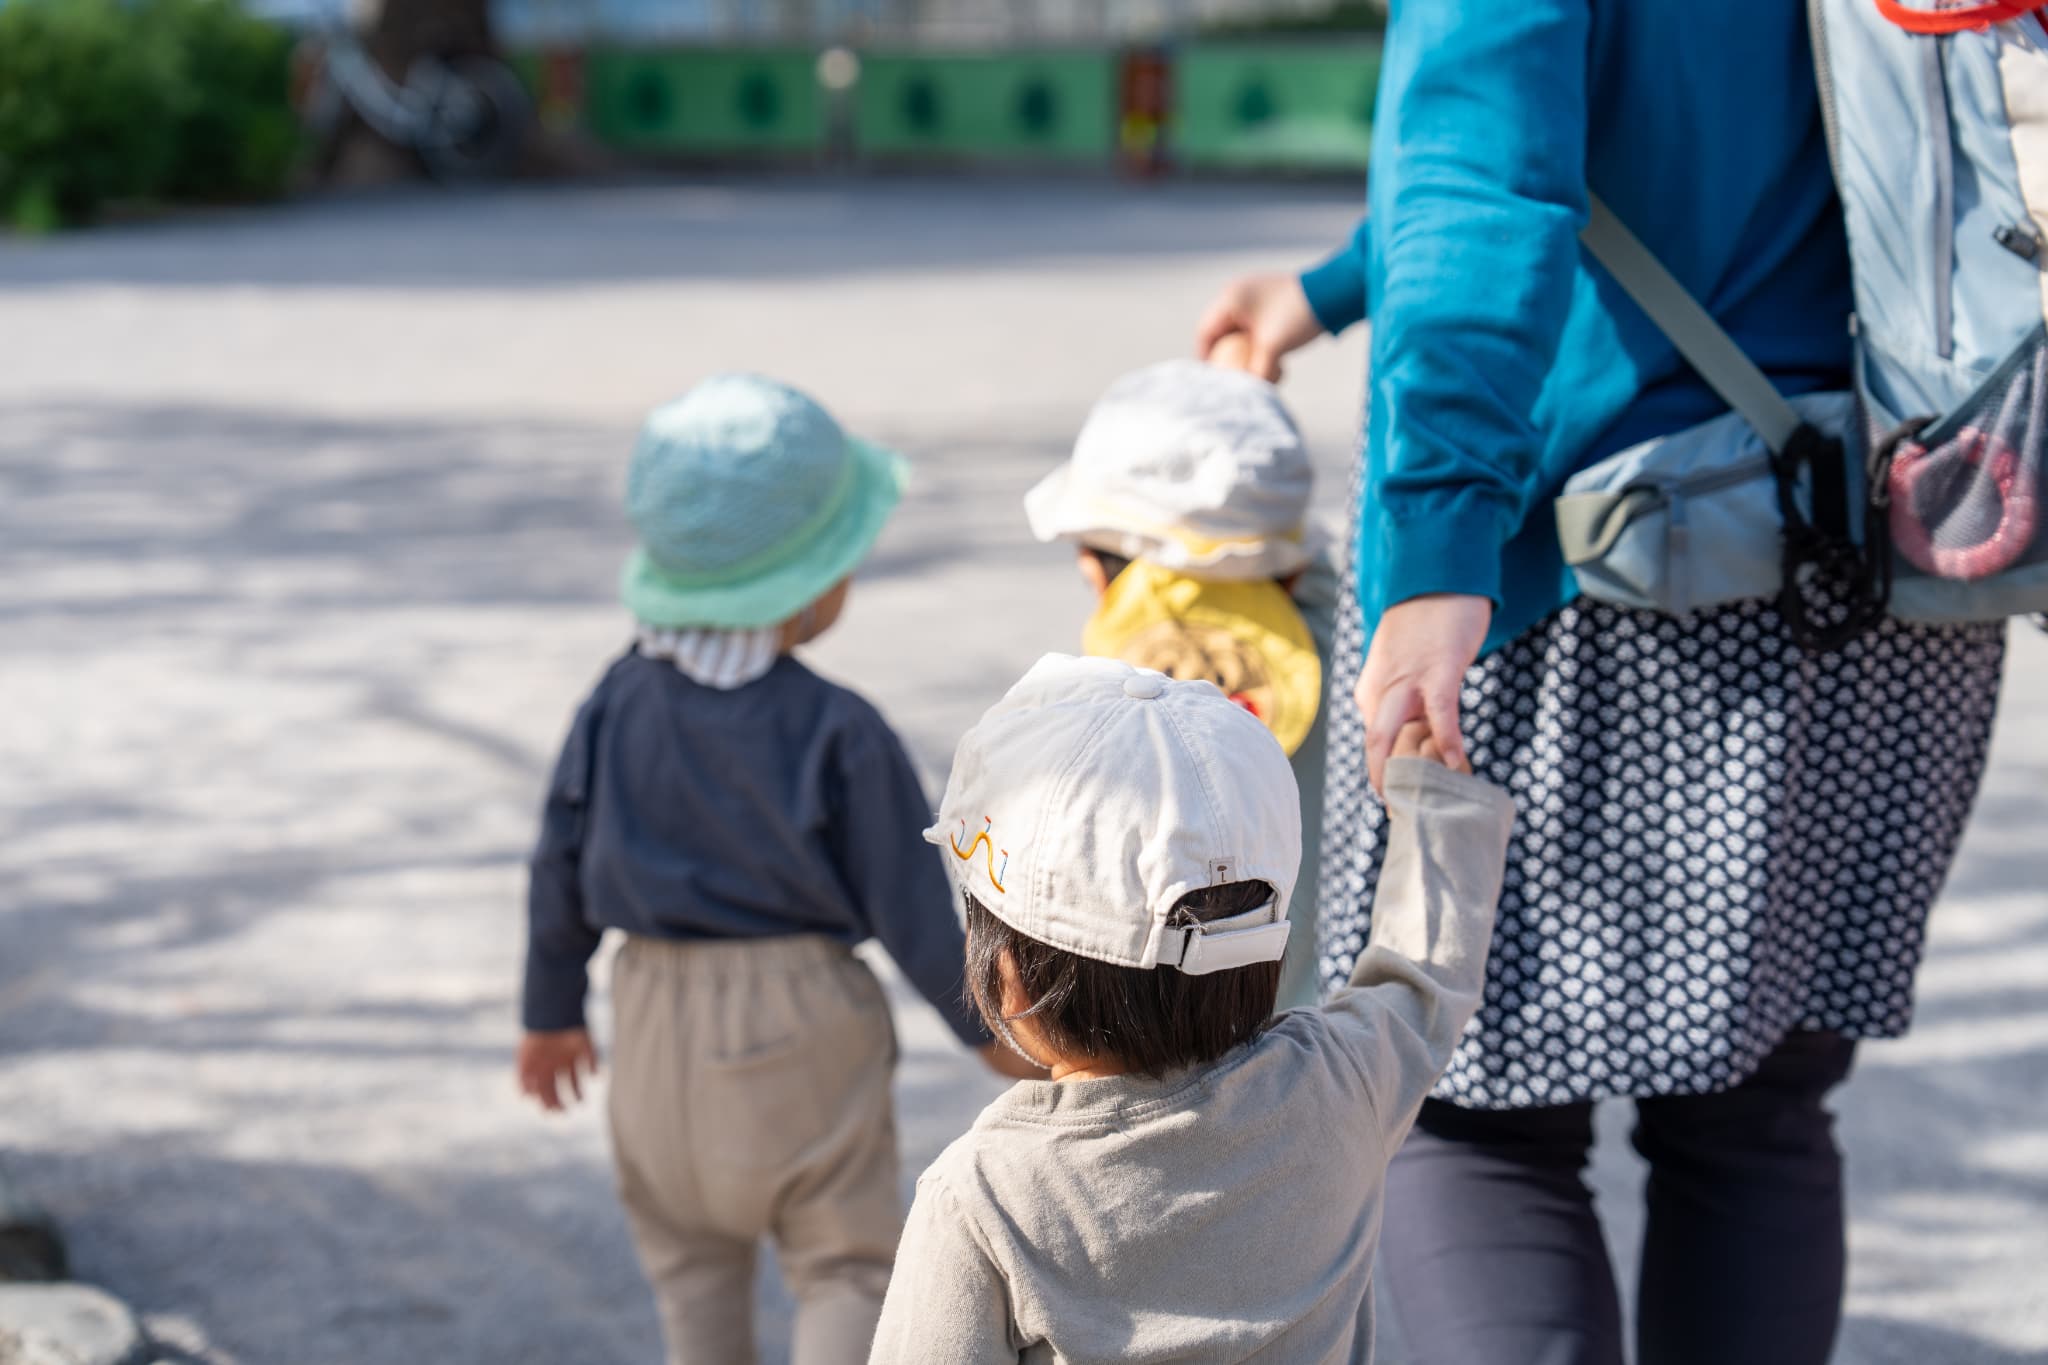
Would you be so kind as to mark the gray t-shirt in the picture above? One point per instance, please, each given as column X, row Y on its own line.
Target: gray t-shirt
column 1225, row 1214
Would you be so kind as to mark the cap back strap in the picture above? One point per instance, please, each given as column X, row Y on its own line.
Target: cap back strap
column 1220, row 945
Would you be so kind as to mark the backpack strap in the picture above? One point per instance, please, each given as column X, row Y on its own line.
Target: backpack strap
column 1955, row 17
column 1701, row 340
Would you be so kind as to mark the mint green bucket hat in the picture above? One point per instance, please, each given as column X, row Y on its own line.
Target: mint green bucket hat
column 750, row 503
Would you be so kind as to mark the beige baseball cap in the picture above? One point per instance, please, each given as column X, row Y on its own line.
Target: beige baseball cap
column 1192, row 466
column 1095, row 795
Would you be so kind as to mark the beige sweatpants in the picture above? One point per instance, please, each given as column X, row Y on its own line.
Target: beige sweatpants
column 750, row 1099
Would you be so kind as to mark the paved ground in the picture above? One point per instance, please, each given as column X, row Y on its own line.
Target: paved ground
column 307, row 527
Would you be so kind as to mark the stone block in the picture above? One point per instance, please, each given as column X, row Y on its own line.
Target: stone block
column 66, row 1324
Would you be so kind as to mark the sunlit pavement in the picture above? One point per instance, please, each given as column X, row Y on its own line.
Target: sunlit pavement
column 308, row 526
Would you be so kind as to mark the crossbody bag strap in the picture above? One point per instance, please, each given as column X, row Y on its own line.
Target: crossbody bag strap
column 1701, row 340
column 1853, row 583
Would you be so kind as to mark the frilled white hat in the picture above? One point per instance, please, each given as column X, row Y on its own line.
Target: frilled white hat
column 1192, row 466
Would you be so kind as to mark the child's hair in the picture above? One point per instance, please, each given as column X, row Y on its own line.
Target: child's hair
column 1150, row 1021
column 1112, row 563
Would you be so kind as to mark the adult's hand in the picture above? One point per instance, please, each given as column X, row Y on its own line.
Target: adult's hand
column 1420, row 651
column 1270, row 311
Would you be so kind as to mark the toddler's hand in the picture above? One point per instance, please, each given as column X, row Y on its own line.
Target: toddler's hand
column 1414, row 740
column 554, row 1061
column 1004, row 1062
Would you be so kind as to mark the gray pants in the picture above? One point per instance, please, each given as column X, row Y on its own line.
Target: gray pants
column 1492, row 1255
column 750, row 1099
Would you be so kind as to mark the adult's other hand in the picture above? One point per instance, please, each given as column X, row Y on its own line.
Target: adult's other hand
column 1270, row 311
column 1420, row 651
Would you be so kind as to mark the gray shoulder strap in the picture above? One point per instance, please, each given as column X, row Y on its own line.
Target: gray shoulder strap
column 1690, row 327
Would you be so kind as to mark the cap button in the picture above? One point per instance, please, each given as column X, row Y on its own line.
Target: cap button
column 1144, row 686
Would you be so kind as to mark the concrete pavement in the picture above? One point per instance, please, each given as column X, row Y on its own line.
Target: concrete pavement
column 308, row 522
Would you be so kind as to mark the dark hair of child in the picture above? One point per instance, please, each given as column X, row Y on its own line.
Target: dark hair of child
column 1112, row 564
column 1149, row 1021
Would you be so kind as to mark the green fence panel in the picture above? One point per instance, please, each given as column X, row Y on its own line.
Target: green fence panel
column 1047, row 105
column 706, row 101
column 530, row 66
column 1277, row 105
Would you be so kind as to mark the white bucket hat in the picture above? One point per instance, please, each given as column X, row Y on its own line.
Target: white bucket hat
column 1095, row 795
column 1188, row 465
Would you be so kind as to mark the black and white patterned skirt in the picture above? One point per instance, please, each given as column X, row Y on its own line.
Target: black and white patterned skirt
column 1720, row 838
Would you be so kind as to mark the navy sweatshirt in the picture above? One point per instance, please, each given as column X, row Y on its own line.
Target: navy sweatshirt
column 786, row 806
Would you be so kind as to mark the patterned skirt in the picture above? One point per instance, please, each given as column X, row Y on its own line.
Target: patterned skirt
column 1720, row 839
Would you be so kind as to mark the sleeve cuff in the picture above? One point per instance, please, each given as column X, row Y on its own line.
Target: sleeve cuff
column 1456, row 552
column 1336, row 290
column 1421, row 783
column 553, row 998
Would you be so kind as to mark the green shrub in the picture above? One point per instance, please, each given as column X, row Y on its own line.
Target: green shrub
column 236, row 135
column 83, row 109
column 138, row 99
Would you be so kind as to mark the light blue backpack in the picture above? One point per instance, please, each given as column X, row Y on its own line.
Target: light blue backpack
column 1937, row 122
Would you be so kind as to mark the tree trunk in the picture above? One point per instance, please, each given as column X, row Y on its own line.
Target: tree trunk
column 407, row 30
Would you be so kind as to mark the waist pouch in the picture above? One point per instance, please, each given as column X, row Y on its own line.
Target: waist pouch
column 1691, row 520
column 1936, row 518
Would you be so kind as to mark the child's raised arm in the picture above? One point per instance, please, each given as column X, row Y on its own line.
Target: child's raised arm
column 1419, row 980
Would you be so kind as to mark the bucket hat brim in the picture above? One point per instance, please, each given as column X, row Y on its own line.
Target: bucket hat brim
column 774, row 596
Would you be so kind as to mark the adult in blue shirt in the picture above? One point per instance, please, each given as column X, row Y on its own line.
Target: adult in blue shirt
column 1727, row 847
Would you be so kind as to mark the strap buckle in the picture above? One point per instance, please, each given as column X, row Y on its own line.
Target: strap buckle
column 1224, row 944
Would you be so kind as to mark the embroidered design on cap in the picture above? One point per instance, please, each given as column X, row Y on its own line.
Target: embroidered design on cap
column 981, row 840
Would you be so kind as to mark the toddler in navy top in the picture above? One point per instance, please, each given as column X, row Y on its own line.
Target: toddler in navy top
column 746, row 823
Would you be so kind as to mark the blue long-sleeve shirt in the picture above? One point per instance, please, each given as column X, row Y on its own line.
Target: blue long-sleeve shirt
column 1503, row 359
column 786, row 806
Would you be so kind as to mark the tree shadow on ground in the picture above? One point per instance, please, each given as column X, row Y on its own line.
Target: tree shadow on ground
column 372, row 512
column 248, row 538
column 440, row 1265
column 1874, row 1340
column 497, row 1260
column 343, row 559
